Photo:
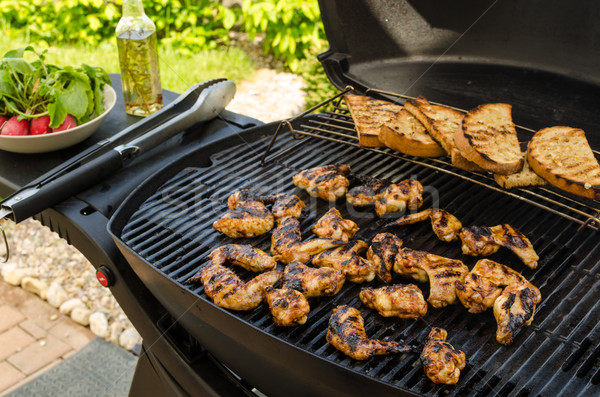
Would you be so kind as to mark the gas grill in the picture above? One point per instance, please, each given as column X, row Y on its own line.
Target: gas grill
column 152, row 236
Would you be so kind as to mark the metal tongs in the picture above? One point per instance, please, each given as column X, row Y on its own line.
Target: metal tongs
column 201, row 102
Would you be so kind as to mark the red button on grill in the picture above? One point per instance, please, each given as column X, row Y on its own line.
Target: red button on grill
column 104, row 276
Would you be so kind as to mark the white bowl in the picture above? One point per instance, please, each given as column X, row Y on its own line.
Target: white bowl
column 61, row 139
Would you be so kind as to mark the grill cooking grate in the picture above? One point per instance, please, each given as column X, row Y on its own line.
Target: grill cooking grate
column 560, row 351
column 338, row 126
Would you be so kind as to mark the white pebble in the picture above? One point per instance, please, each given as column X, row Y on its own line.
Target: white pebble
column 68, row 306
column 56, row 295
column 130, row 338
column 99, row 324
column 81, row 315
column 116, row 328
column 14, row 275
column 34, row 285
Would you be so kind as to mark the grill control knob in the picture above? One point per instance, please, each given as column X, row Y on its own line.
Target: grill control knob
column 104, row 276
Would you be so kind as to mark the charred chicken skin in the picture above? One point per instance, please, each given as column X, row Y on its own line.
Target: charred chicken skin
column 286, row 244
column 243, row 255
column 513, row 297
column 227, row 290
column 313, row 282
column 285, row 204
column 399, row 196
column 404, row 301
column 287, row 306
column 445, row 225
column 346, row 332
column 332, row 225
column 442, row 273
column 248, row 216
column 367, row 193
column 382, row 254
column 328, row 182
column 441, row 362
column 484, row 241
column 347, row 259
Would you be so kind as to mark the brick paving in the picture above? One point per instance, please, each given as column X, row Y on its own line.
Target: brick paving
column 34, row 336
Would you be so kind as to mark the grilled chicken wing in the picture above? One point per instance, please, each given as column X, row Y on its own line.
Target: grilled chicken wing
column 313, row 282
column 442, row 273
column 513, row 297
column 227, row 290
column 285, row 204
column 248, row 216
column 441, row 362
column 332, row 225
column 328, row 182
column 484, row 241
column 243, row 255
column 367, row 193
column 399, row 196
column 382, row 254
column 445, row 225
column 346, row 332
column 347, row 259
column 287, row 306
column 404, row 301
column 286, row 244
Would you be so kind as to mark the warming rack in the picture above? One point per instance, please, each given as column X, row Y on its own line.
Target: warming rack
column 337, row 126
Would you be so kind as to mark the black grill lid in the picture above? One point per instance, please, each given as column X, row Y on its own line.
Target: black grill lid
column 548, row 35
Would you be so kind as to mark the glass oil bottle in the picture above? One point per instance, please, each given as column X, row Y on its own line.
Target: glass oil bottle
column 138, row 59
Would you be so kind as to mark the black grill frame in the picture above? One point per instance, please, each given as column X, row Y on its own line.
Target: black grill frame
column 545, row 358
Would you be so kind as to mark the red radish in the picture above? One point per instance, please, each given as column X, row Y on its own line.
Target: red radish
column 68, row 123
column 40, row 126
column 15, row 127
column 3, row 120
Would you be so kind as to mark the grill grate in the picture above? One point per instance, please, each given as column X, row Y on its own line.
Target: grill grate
column 560, row 351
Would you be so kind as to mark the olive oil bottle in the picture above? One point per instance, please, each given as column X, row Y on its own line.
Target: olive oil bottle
column 138, row 60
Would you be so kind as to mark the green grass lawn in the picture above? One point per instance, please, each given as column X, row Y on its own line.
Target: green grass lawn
column 178, row 72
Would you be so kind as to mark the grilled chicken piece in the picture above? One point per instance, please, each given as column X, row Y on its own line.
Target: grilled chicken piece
column 442, row 273
column 332, row 225
column 484, row 241
column 346, row 332
column 513, row 297
column 248, row 216
column 382, row 254
column 399, row 196
column 441, row 362
column 367, row 193
column 328, row 182
column 347, row 259
column 285, row 204
column 445, row 225
column 313, row 282
column 227, row 290
column 286, row 244
column 287, row 306
column 404, row 301
column 243, row 255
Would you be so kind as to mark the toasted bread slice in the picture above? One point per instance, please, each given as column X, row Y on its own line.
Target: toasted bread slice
column 441, row 123
column 488, row 138
column 407, row 135
column 563, row 157
column 368, row 115
column 526, row 177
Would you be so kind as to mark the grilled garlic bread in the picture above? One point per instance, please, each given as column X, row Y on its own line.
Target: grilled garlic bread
column 407, row 135
column 563, row 157
column 368, row 115
column 526, row 177
column 441, row 123
column 488, row 138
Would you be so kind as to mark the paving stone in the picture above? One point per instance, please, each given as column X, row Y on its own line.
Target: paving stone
column 10, row 376
column 14, row 340
column 33, row 329
column 9, row 317
column 38, row 355
column 72, row 333
column 11, row 295
column 40, row 312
